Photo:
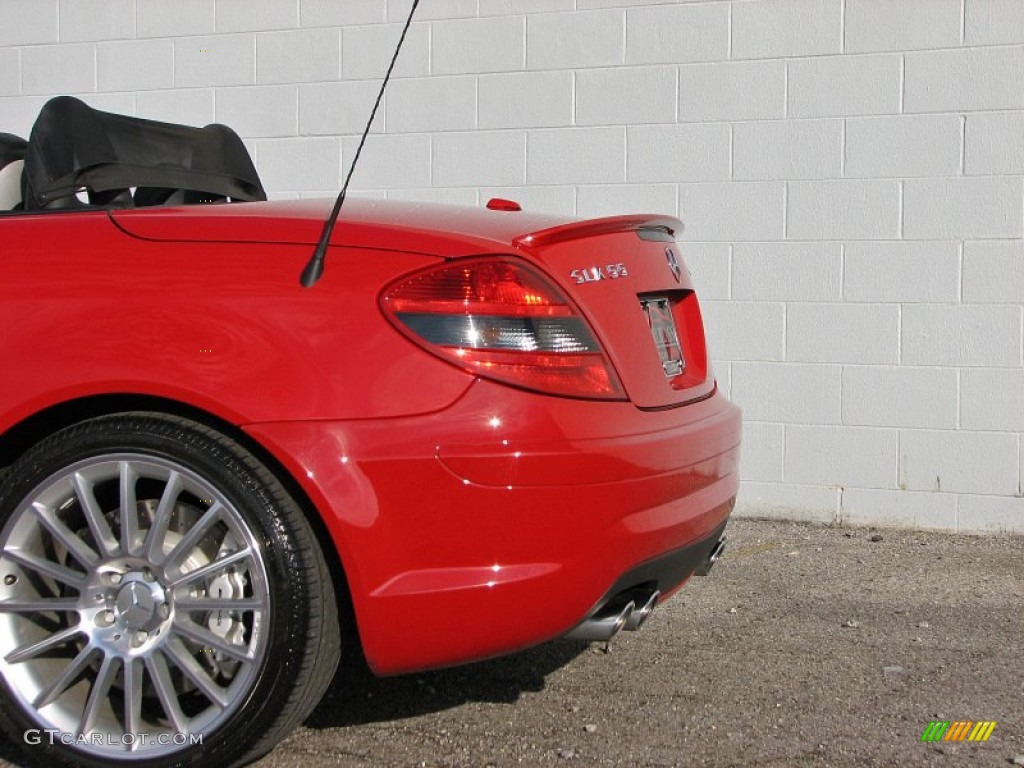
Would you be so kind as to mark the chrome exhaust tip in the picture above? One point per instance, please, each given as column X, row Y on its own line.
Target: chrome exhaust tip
column 602, row 628
column 640, row 615
column 716, row 552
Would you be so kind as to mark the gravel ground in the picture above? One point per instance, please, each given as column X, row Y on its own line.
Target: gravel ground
column 807, row 645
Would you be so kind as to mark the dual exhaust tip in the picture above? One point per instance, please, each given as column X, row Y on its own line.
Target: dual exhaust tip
column 615, row 617
column 604, row 626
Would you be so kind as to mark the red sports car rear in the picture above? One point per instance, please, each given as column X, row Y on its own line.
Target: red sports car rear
column 481, row 429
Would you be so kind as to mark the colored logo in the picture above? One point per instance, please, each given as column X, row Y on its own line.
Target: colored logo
column 958, row 730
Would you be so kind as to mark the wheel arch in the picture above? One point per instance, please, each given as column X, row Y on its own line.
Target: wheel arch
column 30, row 430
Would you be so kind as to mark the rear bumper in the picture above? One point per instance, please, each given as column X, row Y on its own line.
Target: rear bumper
column 504, row 520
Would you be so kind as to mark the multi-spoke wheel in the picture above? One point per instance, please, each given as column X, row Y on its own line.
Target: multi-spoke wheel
column 162, row 598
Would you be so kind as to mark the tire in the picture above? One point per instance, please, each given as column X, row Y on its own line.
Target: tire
column 158, row 585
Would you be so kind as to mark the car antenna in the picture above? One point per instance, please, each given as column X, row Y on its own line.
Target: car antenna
column 315, row 266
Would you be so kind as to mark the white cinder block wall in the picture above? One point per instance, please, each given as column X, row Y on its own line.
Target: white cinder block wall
column 850, row 173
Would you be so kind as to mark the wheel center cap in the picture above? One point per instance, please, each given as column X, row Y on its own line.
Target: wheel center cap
column 136, row 604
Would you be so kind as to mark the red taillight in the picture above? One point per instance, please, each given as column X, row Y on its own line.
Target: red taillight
column 502, row 319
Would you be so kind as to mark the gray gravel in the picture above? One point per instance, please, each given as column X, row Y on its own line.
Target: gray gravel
column 807, row 645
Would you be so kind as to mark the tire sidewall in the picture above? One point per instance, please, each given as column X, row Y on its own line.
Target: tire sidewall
column 238, row 476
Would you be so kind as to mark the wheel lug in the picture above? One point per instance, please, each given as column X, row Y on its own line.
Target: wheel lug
column 105, row 618
column 114, row 578
column 148, row 575
column 140, row 637
column 164, row 610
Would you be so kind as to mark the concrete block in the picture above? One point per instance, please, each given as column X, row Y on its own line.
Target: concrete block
column 745, row 330
column 10, row 72
column 331, row 13
column 215, row 60
column 590, row 4
column 788, row 501
column 135, row 65
column 261, row 111
column 331, row 109
column 783, row 28
column 841, row 456
column 963, row 208
column 400, row 161
column 668, row 153
column 993, row 22
column 994, row 143
column 961, row 335
column 966, row 79
column 958, row 461
column 901, row 509
column 903, row 146
column 613, row 199
column 902, row 25
column 993, row 272
column 298, row 56
column 526, row 100
column 297, row 165
column 492, row 158
column 732, row 211
column 924, row 271
column 256, row 15
column 56, row 69
column 788, row 149
column 745, row 90
column 160, row 18
column 367, row 51
column 20, row 113
column 82, row 20
column 900, row 396
column 709, row 265
column 576, row 40
column 37, row 22
column 190, row 106
column 793, row 393
column 763, row 452
column 398, row 10
column 670, row 34
column 629, row 95
column 577, row 156
column 787, row 271
column 477, row 46
column 990, row 514
column 840, row 86
column 992, row 399
column 431, row 104
column 512, row 7
column 842, row 333
column 846, row 209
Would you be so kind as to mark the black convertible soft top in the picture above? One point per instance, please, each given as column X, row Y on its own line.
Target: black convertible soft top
column 74, row 147
column 11, row 148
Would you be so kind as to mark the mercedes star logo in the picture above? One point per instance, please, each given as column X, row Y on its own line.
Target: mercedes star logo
column 673, row 264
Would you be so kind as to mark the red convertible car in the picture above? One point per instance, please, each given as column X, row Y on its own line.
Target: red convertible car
column 482, row 429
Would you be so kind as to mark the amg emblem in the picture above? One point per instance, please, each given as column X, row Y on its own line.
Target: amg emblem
column 594, row 274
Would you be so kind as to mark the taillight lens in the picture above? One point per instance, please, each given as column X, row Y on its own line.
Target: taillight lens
column 500, row 318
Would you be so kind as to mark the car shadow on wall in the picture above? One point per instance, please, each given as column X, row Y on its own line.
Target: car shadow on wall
column 356, row 696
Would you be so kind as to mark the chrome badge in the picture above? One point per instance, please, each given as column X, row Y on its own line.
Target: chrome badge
column 594, row 274
column 673, row 264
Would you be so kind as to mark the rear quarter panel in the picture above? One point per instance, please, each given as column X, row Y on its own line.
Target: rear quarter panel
column 86, row 310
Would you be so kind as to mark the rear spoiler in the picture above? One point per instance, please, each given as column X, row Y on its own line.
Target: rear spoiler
column 648, row 227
